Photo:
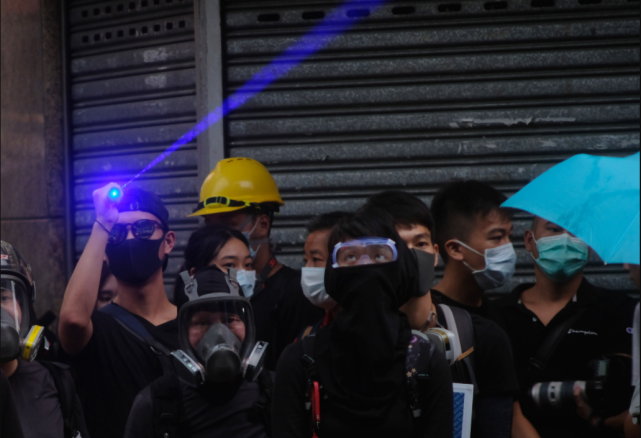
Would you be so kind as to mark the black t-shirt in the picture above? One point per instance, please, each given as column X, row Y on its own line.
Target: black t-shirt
column 488, row 309
column 493, row 362
column 293, row 420
column 204, row 416
column 603, row 328
column 281, row 311
column 37, row 401
column 113, row 368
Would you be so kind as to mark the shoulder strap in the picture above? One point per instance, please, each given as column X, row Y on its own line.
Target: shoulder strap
column 66, row 394
column 540, row 360
column 130, row 323
column 261, row 411
column 419, row 355
column 167, row 406
column 459, row 322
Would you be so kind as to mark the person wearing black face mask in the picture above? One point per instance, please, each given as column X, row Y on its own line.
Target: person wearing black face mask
column 112, row 360
column 365, row 374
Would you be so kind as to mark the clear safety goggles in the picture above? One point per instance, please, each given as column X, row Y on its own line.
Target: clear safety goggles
column 15, row 307
column 231, row 318
column 364, row 251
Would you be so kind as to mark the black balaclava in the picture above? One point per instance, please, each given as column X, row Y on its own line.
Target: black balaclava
column 361, row 355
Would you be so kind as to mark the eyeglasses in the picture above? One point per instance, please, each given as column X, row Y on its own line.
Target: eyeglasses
column 142, row 229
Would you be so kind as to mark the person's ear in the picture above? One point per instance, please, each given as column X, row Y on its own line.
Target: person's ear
column 530, row 245
column 453, row 250
column 435, row 255
column 170, row 241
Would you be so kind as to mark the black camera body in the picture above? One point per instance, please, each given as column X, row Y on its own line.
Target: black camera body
column 608, row 392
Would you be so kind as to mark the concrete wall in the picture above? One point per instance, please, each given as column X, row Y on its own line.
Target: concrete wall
column 33, row 197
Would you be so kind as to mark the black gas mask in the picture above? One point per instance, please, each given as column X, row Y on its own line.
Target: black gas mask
column 17, row 337
column 217, row 334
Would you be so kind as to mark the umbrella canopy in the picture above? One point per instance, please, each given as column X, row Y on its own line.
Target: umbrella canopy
column 595, row 198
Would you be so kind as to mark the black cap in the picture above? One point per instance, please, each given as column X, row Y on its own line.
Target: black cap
column 141, row 200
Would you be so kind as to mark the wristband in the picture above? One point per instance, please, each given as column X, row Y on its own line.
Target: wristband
column 103, row 227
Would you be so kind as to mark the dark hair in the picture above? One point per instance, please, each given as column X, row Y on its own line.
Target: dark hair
column 353, row 226
column 325, row 221
column 458, row 205
column 206, row 242
column 406, row 209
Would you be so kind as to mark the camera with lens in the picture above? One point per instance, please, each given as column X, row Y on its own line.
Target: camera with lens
column 608, row 392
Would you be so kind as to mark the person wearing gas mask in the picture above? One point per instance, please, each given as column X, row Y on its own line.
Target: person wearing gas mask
column 241, row 194
column 366, row 374
column 120, row 349
column 490, row 365
column 474, row 239
column 44, row 392
column 569, row 332
column 313, row 273
column 219, row 388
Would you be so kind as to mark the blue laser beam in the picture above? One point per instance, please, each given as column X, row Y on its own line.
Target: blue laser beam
column 334, row 24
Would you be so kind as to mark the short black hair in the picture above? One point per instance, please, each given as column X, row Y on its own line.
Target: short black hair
column 325, row 221
column 406, row 209
column 205, row 243
column 353, row 226
column 457, row 206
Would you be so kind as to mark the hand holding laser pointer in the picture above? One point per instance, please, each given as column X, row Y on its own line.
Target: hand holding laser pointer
column 104, row 201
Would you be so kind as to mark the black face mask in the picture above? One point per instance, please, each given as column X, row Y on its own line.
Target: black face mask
column 134, row 261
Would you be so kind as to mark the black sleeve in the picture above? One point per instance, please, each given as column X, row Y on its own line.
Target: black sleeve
column 297, row 313
column 290, row 419
column 437, row 418
column 493, row 360
column 9, row 420
column 493, row 417
column 140, row 422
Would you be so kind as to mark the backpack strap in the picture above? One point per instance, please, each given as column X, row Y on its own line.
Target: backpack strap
column 419, row 355
column 130, row 323
column 313, row 384
column 459, row 322
column 66, row 395
column 541, row 358
column 167, row 407
column 261, row 411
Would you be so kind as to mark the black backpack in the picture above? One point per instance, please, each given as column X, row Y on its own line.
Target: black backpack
column 72, row 413
column 169, row 414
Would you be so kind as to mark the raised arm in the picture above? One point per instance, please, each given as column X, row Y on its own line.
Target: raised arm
column 75, row 327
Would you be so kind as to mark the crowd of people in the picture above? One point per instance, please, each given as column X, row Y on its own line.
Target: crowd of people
column 363, row 341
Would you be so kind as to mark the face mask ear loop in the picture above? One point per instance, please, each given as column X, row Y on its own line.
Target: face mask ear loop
column 474, row 271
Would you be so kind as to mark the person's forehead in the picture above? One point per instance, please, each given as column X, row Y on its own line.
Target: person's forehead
column 492, row 220
column 317, row 239
column 230, row 218
column 234, row 247
column 413, row 231
column 129, row 217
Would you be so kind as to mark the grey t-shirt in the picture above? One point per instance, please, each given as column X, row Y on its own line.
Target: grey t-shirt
column 37, row 401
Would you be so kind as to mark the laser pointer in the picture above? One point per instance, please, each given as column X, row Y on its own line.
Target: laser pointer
column 115, row 193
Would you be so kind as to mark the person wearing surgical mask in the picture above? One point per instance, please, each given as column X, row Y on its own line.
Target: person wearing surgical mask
column 313, row 273
column 474, row 239
column 596, row 323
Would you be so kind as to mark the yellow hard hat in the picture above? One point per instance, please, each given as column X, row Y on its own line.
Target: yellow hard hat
column 234, row 184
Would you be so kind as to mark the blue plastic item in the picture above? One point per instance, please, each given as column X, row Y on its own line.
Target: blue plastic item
column 596, row 198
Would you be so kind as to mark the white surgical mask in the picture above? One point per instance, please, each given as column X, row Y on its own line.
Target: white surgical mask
column 312, row 281
column 259, row 242
column 500, row 263
column 247, row 281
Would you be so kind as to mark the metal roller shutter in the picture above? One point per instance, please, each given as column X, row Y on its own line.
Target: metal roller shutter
column 131, row 92
column 422, row 92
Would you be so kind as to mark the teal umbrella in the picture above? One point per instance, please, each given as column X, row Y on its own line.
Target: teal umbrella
column 595, row 198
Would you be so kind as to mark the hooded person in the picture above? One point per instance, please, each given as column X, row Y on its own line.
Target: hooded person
column 42, row 390
column 219, row 386
column 358, row 365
